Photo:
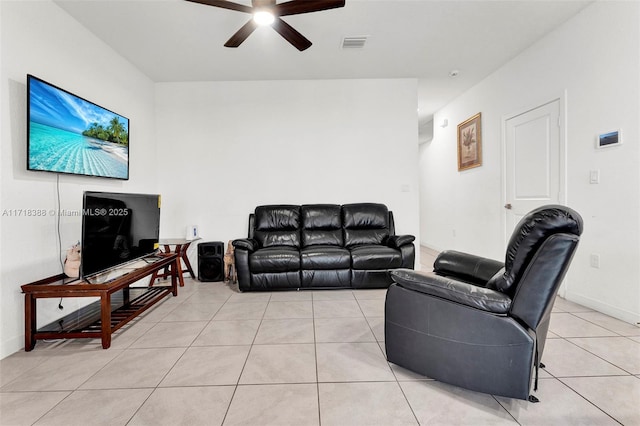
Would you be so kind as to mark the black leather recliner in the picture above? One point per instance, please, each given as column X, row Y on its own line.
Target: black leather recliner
column 478, row 323
column 321, row 246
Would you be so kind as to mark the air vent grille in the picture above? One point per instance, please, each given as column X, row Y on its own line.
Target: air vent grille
column 356, row 42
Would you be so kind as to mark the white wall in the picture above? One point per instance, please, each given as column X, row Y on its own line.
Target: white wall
column 37, row 37
column 226, row 147
column 595, row 60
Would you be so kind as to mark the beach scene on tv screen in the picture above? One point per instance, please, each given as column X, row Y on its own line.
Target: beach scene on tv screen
column 70, row 135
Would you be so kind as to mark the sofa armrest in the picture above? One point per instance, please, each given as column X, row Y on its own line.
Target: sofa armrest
column 246, row 244
column 455, row 291
column 467, row 267
column 397, row 241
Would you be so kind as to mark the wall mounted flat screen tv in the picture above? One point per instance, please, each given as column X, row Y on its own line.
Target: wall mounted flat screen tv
column 117, row 228
column 68, row 134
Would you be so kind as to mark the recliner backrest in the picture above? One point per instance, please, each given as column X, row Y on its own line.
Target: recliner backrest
column 321, row 225
column 538, row 286
column 538, row 256
column 277, row 225
column 365, row 223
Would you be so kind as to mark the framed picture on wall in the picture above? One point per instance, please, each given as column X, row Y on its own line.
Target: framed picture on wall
column 470, row 143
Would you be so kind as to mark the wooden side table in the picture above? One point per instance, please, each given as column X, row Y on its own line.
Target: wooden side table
column 180, row 247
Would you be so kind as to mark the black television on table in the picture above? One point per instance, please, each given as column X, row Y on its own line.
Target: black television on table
column 68, row 134
column 117, row 228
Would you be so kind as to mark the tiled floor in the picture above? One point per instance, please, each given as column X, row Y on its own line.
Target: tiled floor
column 214, row 356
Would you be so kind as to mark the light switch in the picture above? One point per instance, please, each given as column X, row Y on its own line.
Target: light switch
column 594, row 176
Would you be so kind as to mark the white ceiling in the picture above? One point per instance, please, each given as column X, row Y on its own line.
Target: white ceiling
column 175, row 40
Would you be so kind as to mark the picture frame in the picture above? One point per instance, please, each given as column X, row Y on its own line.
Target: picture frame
column 470, row 143
column 609, row 139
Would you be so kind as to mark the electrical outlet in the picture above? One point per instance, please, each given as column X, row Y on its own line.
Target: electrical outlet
column 453, row 232
column 594, row 261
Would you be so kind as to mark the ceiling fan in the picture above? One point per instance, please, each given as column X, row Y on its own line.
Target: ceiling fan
column 267, row 12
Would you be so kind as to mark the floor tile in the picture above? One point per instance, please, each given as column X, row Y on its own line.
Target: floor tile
column 290, row 363
column 206, row 297
column 241, row 311
column 159, row 311
column 558, row 405
column 564, row 305
column 341, row 294
column 18, row 363
column 274, row 331
column 336, row 309
column 282, row 310
column 278, row 405
column 208, row 365
column 232, row 332
column 620, row 351
column 569, row 325
column 291, row 296
column 343, row 330
column 352, row 362
column 97, row 407
column 356, row 404
column 404, row 375
column 564, row 359
column 63, row 370
column 247, row 363
column 249, row 297
column 170, row 335
column 372, row 307
column 377, row 327
column 25, row 408
column 131, row 369
column 605, row 321
column 436, row 403
column 370, row 294
column 617, row 396
column 185, row 406
column 193, row 312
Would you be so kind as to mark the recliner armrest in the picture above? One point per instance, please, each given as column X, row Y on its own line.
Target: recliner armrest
column 456, row 291
column 397, row 241
column 246, row 244
column 467, row 267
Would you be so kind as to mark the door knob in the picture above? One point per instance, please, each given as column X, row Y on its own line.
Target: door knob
column 508, row 206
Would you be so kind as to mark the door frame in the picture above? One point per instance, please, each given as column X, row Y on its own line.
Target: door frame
column 562, row 196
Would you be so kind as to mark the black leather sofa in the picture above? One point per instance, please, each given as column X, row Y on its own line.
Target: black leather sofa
column 321, row 246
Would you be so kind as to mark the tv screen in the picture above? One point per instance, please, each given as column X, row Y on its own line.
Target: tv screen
column 117, row 228
column 68, row 134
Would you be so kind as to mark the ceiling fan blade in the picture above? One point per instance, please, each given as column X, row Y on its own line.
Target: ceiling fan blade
column 242, row 34
column 290, row 34
column 295, row 7
column 225, row 5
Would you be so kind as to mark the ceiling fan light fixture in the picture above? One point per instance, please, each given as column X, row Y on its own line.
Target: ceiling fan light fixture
column 263, row 18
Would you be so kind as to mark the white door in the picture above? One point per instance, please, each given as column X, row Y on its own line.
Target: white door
column 534, row 162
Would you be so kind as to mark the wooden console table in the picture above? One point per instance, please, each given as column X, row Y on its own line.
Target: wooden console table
column 119, row 303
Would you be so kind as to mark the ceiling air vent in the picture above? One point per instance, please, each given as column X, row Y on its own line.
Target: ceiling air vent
column 356, row 42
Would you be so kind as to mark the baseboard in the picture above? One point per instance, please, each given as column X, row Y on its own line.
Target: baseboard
column 597, row 305
column 11, row 346
column 431, row 249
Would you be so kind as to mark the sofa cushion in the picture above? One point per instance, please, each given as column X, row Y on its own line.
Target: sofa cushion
column 274, row 259
column 277, row 225
column 375, row 257
column 321, row 225
column 365, row 223
column 325, row 257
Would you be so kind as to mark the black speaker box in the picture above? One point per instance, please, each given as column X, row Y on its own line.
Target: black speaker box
column 211, row 261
